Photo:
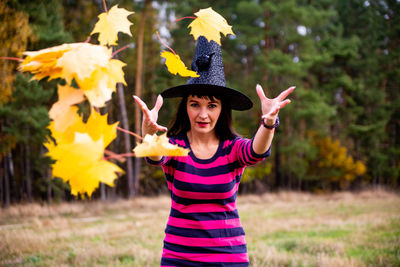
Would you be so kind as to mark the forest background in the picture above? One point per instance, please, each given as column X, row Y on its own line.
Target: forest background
column 341, row 131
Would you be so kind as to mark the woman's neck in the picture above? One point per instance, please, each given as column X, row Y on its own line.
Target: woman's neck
column 202, row 139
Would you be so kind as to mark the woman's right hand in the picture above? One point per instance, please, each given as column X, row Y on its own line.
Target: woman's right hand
column 149, row 123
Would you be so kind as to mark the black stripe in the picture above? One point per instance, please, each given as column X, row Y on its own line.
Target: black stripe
column 190, row 201
column 200, row 233
column 187, row 168
column 209, row 250
column 206, row 188
column 205, row 216
column 186, row 263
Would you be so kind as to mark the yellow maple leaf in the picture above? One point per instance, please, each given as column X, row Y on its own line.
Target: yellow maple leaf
column 43, row 63
column 154, row 145
column 81, row 164
column 176, row 66
column 62, row 112
column 81, row 61
column 99, row 87
column 209, row 24
column 96, row 127
column 110, row 23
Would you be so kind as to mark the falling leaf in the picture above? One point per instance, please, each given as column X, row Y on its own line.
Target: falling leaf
column 209, row 24
column 176, row 66
column 81, row 61
column 110, row 23
column 154, row 145
column 76, row 60
column 43, row 63
column 81, row 164
column 99, row 87
column 96, row 127
column 91, row 66
column 62, row 112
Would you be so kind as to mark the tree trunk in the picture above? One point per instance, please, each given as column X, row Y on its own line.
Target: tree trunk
column 28, row 170
column 103, row 196
column 127, row 141
column 6, row 182
column 138, row 89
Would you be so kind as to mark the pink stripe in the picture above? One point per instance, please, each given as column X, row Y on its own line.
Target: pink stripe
column 210, row 207
column 223, row 160
column 206, row 225
column 200, row 257
column 205, row 242
column 202, row 195
column 217, row 179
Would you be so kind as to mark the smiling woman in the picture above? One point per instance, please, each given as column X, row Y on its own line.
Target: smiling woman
column 204, row 228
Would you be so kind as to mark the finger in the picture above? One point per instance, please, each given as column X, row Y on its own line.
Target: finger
column 143, row 106
column 284, row 103
column 260, row 92
column 159, row 103
column 161, row 128
column 273, row 113
column 285, row 93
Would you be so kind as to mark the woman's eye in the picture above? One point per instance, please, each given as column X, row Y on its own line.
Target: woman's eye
column 194, row 105
column 212, row 106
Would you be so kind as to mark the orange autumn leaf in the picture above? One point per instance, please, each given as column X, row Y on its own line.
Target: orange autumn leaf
column 43, row 63
column 176, row 66
column 110, row 23
column 81, row 164
column 209, row 24
column 154, row 145
column 91, row 66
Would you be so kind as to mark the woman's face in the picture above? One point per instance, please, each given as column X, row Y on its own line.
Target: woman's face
column 203, row 113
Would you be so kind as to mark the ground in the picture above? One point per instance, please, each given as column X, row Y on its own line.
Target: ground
column 282, row 229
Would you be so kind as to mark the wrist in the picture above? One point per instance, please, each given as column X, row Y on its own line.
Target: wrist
column 270, row 125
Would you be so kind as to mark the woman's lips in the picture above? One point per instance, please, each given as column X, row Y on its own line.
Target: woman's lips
column 202, row 124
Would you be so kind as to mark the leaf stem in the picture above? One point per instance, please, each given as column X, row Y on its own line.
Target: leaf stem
column 12, row 58
column 159, row 38
column 119, row 156
column 119, row 50
column 105, row 6
column 129, row 132
column 189, row 17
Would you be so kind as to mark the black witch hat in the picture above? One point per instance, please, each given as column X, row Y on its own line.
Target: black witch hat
column 207, row 62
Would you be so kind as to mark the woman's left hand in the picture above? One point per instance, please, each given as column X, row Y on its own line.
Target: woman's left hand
column 271, row 107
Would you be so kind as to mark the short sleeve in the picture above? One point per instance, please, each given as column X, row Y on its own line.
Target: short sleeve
column 243, row 149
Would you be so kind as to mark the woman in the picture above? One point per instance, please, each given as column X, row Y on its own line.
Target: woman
column 204, row 227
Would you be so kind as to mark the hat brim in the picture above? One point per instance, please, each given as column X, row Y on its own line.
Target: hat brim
column 238, row 100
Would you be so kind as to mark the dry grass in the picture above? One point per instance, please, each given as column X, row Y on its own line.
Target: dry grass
column 283, row 229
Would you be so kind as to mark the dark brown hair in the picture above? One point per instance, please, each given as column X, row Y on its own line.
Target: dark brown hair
column 223, row 129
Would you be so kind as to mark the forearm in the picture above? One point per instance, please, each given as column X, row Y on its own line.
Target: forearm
column 263, row 139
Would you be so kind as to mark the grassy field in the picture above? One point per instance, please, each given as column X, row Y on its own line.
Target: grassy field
column 283, row 229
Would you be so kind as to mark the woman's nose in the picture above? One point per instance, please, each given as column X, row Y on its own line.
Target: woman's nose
column 203, row 114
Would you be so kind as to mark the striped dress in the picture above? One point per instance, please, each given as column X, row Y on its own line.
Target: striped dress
column 204, row 228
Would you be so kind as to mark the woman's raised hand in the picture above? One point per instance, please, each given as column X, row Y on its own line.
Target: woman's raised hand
column 149, row 123
column 271, row 107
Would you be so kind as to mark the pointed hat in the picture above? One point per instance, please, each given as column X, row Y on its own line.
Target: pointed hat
column 207, row 62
